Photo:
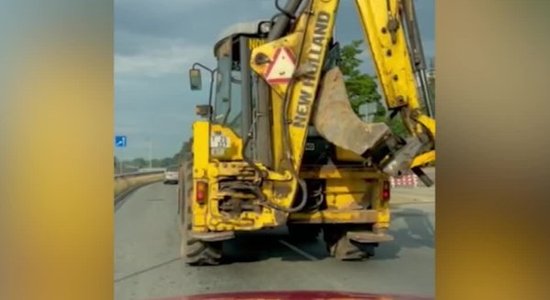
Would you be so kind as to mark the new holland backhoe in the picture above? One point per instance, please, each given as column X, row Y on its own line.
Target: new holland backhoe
column 279, row 144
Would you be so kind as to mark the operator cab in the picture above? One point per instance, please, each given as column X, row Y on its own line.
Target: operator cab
column 234, row 88
column 233, row 96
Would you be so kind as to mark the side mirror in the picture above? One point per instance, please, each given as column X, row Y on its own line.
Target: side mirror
column 203, row 110
column 195, row 79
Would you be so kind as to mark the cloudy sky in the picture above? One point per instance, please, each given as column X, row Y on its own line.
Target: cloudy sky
column 156, row 41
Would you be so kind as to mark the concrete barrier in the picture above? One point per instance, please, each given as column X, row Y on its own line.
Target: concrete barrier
column 404, row 181
column 411, row 180
column 126, row 183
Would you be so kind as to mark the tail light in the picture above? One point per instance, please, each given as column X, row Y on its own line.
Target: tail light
column 201, row 192
column 385, row 190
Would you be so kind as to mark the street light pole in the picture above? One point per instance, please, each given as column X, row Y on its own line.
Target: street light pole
column 150, row 154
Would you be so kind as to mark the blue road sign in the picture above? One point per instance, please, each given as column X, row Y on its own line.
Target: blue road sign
column 120, row 141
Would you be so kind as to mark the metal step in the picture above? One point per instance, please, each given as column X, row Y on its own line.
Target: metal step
column 369, row 237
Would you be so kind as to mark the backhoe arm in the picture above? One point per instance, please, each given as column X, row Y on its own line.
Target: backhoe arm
column 399, row 58
column 292, row 65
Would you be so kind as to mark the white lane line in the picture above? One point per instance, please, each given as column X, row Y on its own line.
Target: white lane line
column 298, row 250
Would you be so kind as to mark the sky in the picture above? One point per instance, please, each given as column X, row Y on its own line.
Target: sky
column 157, row 41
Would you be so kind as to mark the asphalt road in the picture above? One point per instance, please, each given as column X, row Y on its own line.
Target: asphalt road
column 147, row 261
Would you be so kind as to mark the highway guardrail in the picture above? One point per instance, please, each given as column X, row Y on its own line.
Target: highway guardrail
column 129, row 182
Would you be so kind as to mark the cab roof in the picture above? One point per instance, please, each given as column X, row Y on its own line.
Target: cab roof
column 251, row 29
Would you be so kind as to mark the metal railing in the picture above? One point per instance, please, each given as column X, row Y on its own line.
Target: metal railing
column 139, row 173
column 126, row 183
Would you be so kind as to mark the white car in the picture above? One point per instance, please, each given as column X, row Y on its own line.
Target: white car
column 171, row 175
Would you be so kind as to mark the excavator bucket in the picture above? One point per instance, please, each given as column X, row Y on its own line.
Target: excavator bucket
column 336, row 121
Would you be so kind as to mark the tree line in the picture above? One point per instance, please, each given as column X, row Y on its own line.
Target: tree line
column 362, row 88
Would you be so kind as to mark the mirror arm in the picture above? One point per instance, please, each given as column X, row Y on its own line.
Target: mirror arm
column 210, row 93
column 195, row 65
column 211, row 71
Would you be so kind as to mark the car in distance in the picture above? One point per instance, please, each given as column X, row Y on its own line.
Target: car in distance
column 171, row 175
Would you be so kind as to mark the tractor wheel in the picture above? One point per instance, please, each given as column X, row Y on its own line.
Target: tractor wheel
column 303, row 232
column 341, row 247
column 195, row 252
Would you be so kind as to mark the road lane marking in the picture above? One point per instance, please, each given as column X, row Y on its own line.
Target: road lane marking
column 298, row 250
column 117, row 280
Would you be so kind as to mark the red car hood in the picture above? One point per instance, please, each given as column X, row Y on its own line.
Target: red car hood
column 296, row 295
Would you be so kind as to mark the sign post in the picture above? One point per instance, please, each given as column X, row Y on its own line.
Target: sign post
column 120, row 142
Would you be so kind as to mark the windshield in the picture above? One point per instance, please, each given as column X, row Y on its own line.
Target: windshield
column 227, row 106
column 222, row 96
column 172, row 169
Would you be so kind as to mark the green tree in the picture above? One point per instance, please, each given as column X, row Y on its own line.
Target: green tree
column 184, row 151
column 397, row 126
column 139, row 162
column 361, row 87
column 176, row 159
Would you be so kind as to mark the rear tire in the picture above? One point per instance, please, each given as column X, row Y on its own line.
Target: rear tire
column 195, row 252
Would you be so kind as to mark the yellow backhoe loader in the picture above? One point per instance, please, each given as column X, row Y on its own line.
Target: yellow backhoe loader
column 279, row 144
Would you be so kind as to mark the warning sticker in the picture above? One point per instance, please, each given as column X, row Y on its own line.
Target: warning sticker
column 281, row 68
